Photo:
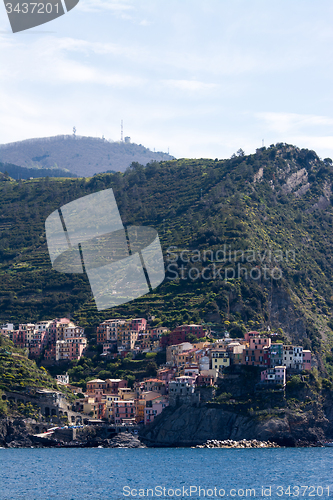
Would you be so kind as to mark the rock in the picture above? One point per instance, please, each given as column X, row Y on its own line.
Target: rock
column 125, row 440
column 190, row 426
column 238, row 444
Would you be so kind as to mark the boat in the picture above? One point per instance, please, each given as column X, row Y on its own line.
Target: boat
column 328, row 443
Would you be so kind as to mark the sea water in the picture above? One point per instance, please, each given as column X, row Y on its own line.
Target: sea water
column 117, row 474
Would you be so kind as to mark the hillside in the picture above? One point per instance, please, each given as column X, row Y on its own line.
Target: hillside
column 18, row 373
column 82, row 156
column 274, row 205
column 24, row 173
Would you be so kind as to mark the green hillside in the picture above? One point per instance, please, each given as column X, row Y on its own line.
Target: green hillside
column 16, row 172
column 18, row 373
column 274, row 206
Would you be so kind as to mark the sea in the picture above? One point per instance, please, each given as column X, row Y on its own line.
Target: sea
column 168, row 473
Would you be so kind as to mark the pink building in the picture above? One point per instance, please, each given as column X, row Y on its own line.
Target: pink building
column 124, row 411
column 249, row 335
column 114, row 384
column 306, row 360
column 139, row 324
column 153, row 408
column 275, row 375
column 155, row 385
column 50, row 353
column 259, row 342
column 77, row 346
column 166, row 374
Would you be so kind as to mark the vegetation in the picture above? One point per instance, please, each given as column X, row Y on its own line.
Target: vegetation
column 90, row 367
column 17, row 172
column 17, row 372
column 256, row 204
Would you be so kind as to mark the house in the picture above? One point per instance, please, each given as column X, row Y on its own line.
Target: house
column 139, row 324
column 108, row 330
column 181, row 390
column 155, row 385
column 110, row 399
column 257, row 352
column 235, row 351
column 126, row 393
column 306, row 359
column 174, row 350
column 276, row 375
column 94, row 407
column 114, row 384
column 249, row 335
column 166, row 374
column 153, row 408
column 206, row 378
column 219, row 359
column 124, row 411
column 96, row 386
column 63, row 379
column 140, row 403
column 178, row 335
column 298, row 357
column 293, row 357
column 275, row 355
column 191, row 371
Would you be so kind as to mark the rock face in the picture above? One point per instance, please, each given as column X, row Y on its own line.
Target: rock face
column 20, row 433
column 14, row 433
column 125, row 440
column 191, row 426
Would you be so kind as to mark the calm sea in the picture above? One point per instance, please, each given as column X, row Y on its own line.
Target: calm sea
column 101, row 474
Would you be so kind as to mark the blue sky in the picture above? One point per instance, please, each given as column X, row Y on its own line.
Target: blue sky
column 200, row 77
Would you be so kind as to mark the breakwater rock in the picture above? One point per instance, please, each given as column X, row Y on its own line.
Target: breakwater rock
column 229, row 443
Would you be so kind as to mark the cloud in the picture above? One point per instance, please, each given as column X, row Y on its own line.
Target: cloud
column 288, row 122
column 190, row 85
column 324, row 144
column 116, row 6
column 56, row 64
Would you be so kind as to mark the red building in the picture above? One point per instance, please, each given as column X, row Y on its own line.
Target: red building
column 114, row 384
column 139, row 324
column 179, row 334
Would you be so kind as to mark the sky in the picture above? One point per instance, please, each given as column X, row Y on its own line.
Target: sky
column 200, row 78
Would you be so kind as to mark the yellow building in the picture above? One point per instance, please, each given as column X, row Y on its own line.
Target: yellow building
column 220, row 359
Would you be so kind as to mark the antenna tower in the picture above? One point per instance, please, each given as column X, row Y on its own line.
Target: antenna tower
column 122, row 132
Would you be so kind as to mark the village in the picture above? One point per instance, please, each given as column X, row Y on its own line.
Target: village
column 190, row 365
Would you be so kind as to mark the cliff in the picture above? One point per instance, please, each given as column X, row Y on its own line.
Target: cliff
column 190, row 426
column 21, row 433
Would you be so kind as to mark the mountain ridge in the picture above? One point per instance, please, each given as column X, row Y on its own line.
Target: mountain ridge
column 82, row 156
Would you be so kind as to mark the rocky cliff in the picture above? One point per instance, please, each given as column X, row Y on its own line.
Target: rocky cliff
column 21, row 433
column 190, row 426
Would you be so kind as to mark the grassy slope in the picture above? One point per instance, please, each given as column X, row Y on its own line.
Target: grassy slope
column 198, row 205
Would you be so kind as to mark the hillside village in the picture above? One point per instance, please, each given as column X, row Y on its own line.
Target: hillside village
column 190, row 366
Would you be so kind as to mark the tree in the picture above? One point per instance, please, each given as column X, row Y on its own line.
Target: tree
column 151, row 369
